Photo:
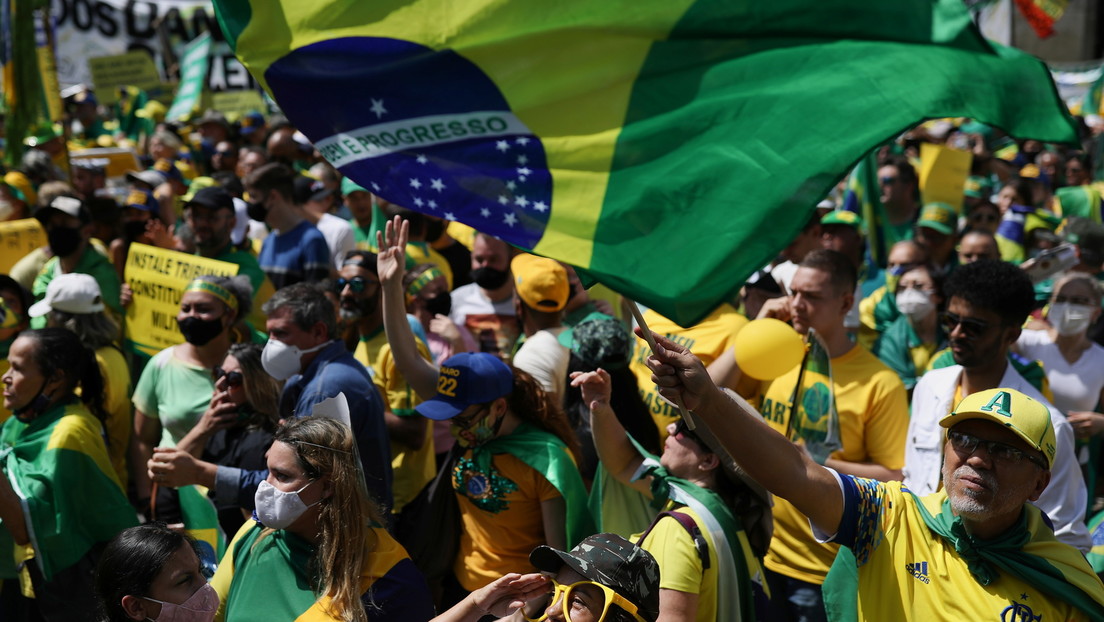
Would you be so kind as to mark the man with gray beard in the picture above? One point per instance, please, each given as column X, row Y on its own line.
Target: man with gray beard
column 412, row 453
column 988, row 302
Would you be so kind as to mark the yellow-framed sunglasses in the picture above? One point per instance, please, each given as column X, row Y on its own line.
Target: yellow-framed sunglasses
column 577, row 598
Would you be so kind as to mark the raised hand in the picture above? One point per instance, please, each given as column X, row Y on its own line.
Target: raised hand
column 391, row 258
column 595, row 386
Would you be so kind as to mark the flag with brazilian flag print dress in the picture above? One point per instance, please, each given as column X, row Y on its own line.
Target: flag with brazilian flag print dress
column 668, row 148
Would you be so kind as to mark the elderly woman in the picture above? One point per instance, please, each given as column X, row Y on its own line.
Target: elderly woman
column 175, row 387
column 60, row 500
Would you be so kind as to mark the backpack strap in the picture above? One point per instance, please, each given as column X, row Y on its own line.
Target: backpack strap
column 691, row 527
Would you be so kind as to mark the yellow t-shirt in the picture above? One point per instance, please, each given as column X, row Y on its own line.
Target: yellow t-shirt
column 708, row 340
column 116, row 401
column 680, row 566
column 873, row 414
column 503, row 524
column 908, row 573
column 411, row 469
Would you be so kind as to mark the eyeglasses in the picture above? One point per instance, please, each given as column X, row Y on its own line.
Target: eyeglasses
column 971, row 328
column 233, row 378
column 464, row 423
column 577, row 599
column 967, row 444
column 681, row 429
column 357, row 284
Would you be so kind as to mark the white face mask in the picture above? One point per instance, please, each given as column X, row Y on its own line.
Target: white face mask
column 282, row 361
column 915, row 304
column 1070, row 319
column 278, row 509
column 200, row 607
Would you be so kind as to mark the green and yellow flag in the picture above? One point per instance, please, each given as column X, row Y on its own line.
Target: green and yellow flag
column 666, row 147
column 58, row 466
column 814, row 419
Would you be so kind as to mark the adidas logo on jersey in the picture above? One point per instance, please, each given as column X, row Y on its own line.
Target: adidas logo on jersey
column 919, row 570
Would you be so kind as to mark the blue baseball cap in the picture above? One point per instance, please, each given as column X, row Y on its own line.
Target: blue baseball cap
column 465, row 379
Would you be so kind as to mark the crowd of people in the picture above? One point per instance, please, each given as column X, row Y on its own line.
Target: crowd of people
column 389, row 416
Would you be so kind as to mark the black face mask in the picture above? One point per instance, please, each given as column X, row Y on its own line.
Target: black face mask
column 199, row 332
column 134, row 228
column 63, row 240
column 489, row 278
column 256, row 210
column 440, row 304
column 38, row 405
column 434, row 229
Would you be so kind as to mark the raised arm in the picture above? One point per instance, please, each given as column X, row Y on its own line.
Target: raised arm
column 767, row 456
column 420, row 374
column 615, row 450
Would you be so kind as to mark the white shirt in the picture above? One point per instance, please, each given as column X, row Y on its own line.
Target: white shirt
column 1076, row 386
column 545, row 359
column 339, row 237
column 1065, row 498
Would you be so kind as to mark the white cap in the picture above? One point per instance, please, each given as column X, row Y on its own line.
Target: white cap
column 71, row 293
column 241, row 214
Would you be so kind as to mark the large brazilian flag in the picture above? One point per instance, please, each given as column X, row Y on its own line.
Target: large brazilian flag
column 666, row 147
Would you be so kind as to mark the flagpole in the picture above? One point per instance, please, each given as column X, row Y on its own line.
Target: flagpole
column 652, row 344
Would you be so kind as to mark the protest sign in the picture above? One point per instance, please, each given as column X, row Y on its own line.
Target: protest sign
column 135, row 68
column 943, row 173
column 157, row 277
column 235, row 104
column 17, row 238
column 193, row 70
column 115, row 160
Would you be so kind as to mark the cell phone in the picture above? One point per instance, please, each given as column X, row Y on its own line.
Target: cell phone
column 1051, row 262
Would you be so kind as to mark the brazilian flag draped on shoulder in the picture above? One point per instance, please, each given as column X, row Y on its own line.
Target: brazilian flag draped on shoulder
column 58, row 466
column 668, row 148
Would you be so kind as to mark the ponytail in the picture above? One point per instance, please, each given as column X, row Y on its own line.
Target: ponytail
column 60, row 351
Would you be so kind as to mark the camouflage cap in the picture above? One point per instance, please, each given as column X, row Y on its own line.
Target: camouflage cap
column 614, row 562
column 600, row 341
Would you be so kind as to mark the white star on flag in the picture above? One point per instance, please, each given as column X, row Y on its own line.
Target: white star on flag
column 540, row 206
column 502, row 145
column 511, row 185
column 510, row 219
column 415, row 184
column 432, row 204
column 523, row 141
column 377, row 108
column 523, row 159
column 524, row 171
column 503, row 199
column 484, row 212
column 522, row 201
column 422, row 159
column 418, row 201
column 375, row 186
column 449, row 216
column 437, row 185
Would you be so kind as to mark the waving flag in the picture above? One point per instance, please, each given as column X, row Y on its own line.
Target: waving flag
column 668, row 148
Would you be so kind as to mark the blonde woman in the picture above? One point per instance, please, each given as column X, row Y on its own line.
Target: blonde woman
column 319, row 551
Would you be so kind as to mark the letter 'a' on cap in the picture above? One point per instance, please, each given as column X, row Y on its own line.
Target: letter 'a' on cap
column 1028, row 418
column 465, row 379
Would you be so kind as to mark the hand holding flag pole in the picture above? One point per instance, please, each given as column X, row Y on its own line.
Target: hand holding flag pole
column 647, row 333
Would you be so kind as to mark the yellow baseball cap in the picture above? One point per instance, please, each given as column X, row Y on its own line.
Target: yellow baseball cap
column 1028, row 418
column 540, row 282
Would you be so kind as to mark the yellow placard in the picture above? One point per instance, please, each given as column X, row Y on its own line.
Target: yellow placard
column 235, row 104
column 943, row 173
column 157, row 277
column 116, row 160
column 17, row 238
column 135, row 68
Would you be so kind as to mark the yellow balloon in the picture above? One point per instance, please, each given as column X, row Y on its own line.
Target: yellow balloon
column 767, row 348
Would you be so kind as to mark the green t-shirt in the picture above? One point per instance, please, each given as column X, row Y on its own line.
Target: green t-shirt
column 174, row 392
column 92, row 263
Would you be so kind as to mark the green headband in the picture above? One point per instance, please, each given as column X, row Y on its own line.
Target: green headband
column 218, row 291
column 423, row 280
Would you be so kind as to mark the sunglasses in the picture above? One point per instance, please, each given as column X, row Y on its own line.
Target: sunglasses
column 357, row 284
column 971, row 327
column 683, row 430
column 233, row 378
column 225, row 154
column 464, row 423
column 887, row 180
column 967, row 444
column 581, row 600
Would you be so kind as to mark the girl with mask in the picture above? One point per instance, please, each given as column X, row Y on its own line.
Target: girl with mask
column 515, row 479
column 176, row 386
column 1074, row 364
column 151, row 572
column 237, row 427
column 60, row 500
column 910, row 341
column 316, row 550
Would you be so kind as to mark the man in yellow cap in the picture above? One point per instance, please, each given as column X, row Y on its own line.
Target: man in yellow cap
column 975, row 550
column 541, row 291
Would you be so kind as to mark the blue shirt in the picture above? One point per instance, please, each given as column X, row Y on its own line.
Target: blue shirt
column 295, row 256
